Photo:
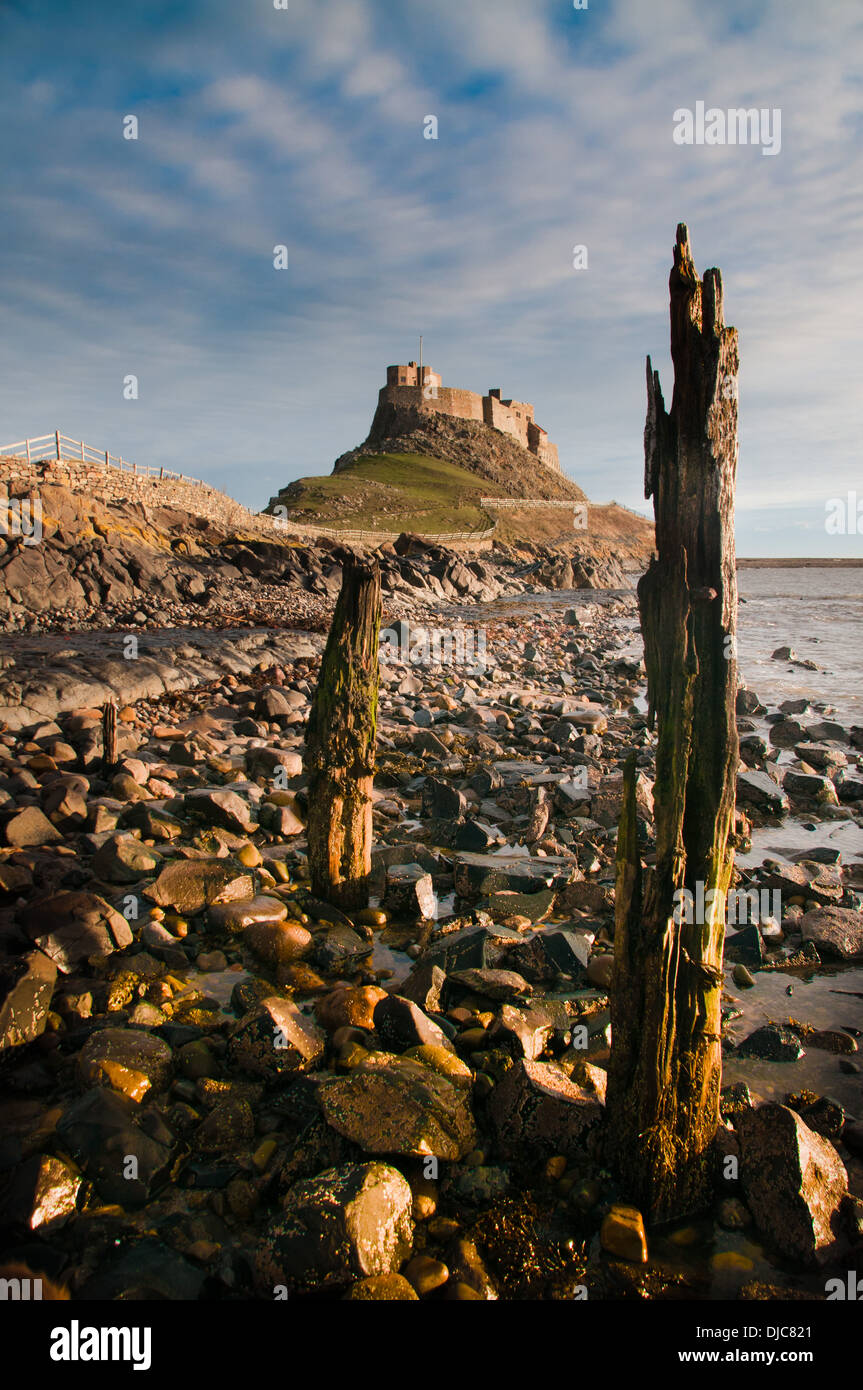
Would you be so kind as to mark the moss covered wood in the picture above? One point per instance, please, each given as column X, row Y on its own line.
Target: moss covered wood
column 340, row 743
column 665, row 1068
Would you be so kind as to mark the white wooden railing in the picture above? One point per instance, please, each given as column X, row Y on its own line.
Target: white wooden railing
column 59, row 448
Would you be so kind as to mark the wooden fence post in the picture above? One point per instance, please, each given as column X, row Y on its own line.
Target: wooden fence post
column 57, row 441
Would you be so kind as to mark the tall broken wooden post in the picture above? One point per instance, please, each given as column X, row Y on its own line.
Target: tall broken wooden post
column 665, row 1069
column 340, row 743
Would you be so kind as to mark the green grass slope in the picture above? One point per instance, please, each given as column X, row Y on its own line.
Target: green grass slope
column 392, row 492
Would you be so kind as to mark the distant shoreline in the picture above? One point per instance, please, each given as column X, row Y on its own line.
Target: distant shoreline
column 793, row 564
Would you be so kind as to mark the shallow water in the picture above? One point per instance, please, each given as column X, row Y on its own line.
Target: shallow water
column 818, row 612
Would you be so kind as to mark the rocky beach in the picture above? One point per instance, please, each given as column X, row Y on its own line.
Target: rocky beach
column 214, row 1085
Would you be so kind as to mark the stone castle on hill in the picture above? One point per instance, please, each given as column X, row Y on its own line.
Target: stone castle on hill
column 421, row 388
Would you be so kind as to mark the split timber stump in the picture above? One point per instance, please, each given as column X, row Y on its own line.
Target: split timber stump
column 340, row 743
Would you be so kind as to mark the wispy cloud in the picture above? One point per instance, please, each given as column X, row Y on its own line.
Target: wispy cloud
column 305, row 127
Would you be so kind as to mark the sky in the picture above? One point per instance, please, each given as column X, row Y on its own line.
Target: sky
column 304, row 126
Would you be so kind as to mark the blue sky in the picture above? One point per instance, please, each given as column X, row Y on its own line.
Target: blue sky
column 304, row 127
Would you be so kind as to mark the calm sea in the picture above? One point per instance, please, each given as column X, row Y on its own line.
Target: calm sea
column 818, row 612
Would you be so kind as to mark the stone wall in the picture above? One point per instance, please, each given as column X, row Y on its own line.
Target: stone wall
column 109, row 485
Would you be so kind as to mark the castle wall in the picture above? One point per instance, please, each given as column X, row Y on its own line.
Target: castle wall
column 515, row 418
column 505, row 418
column 466, row 405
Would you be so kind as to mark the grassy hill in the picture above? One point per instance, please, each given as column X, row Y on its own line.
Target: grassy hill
column 392, row 492
column 415, row 492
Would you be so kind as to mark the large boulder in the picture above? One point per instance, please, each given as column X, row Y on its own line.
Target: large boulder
column 794, row 1182
column 396, row 1105
column 348, row 1222
column 128, row 1059
column 537, row 1110
column 275, row 1040
column 124, row 1150
column 190, row 885
column 69, row 927
column 836, row 931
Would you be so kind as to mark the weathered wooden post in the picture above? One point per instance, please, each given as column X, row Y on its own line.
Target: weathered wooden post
column 665, row 1069
column 340, row 743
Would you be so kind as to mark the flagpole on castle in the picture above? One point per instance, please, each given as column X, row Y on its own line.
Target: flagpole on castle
column 421, row 359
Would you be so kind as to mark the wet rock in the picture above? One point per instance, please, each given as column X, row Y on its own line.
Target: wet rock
column 103, row 1131
column 26, row 986
column 383, row 1288
column 219, row 807
column 521, row 1033
column 477, row 836
column 789, row 654
column 442, row 800
column 240, row 914
column 346, row 1222
column 275, row 1041
column 482, row 1185
column 837, row 932
column 278, row 943
column 748, row 702
column 395, row 1105
column 622, row 1233
column 759, row 790
column 352, row 1007
column 773, row 1044
column 229, row 1128
column 423, row 986
column 811, row 786
column 426, row 1274
column 190, row 885
column 849, row 788
column 401, row 1023
column 537, row 1110
column 444, row 1062
column 479, row 874
column 42, row 1193
column 822, row 885
column 410, row 892
column 494, row 984
column 821, row 756
column 786, row 733
column 340, row 948
column 146, row 1270
column 127, row 1059
column 745, row 946
column 71, row 926
column 123, row 859
column 794, row 1183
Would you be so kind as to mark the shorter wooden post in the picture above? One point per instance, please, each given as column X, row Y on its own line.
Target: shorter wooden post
column 57, row 441
column 340, row 743
column 109, row 736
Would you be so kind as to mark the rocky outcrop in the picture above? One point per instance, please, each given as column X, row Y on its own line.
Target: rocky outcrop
column 488, row 452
